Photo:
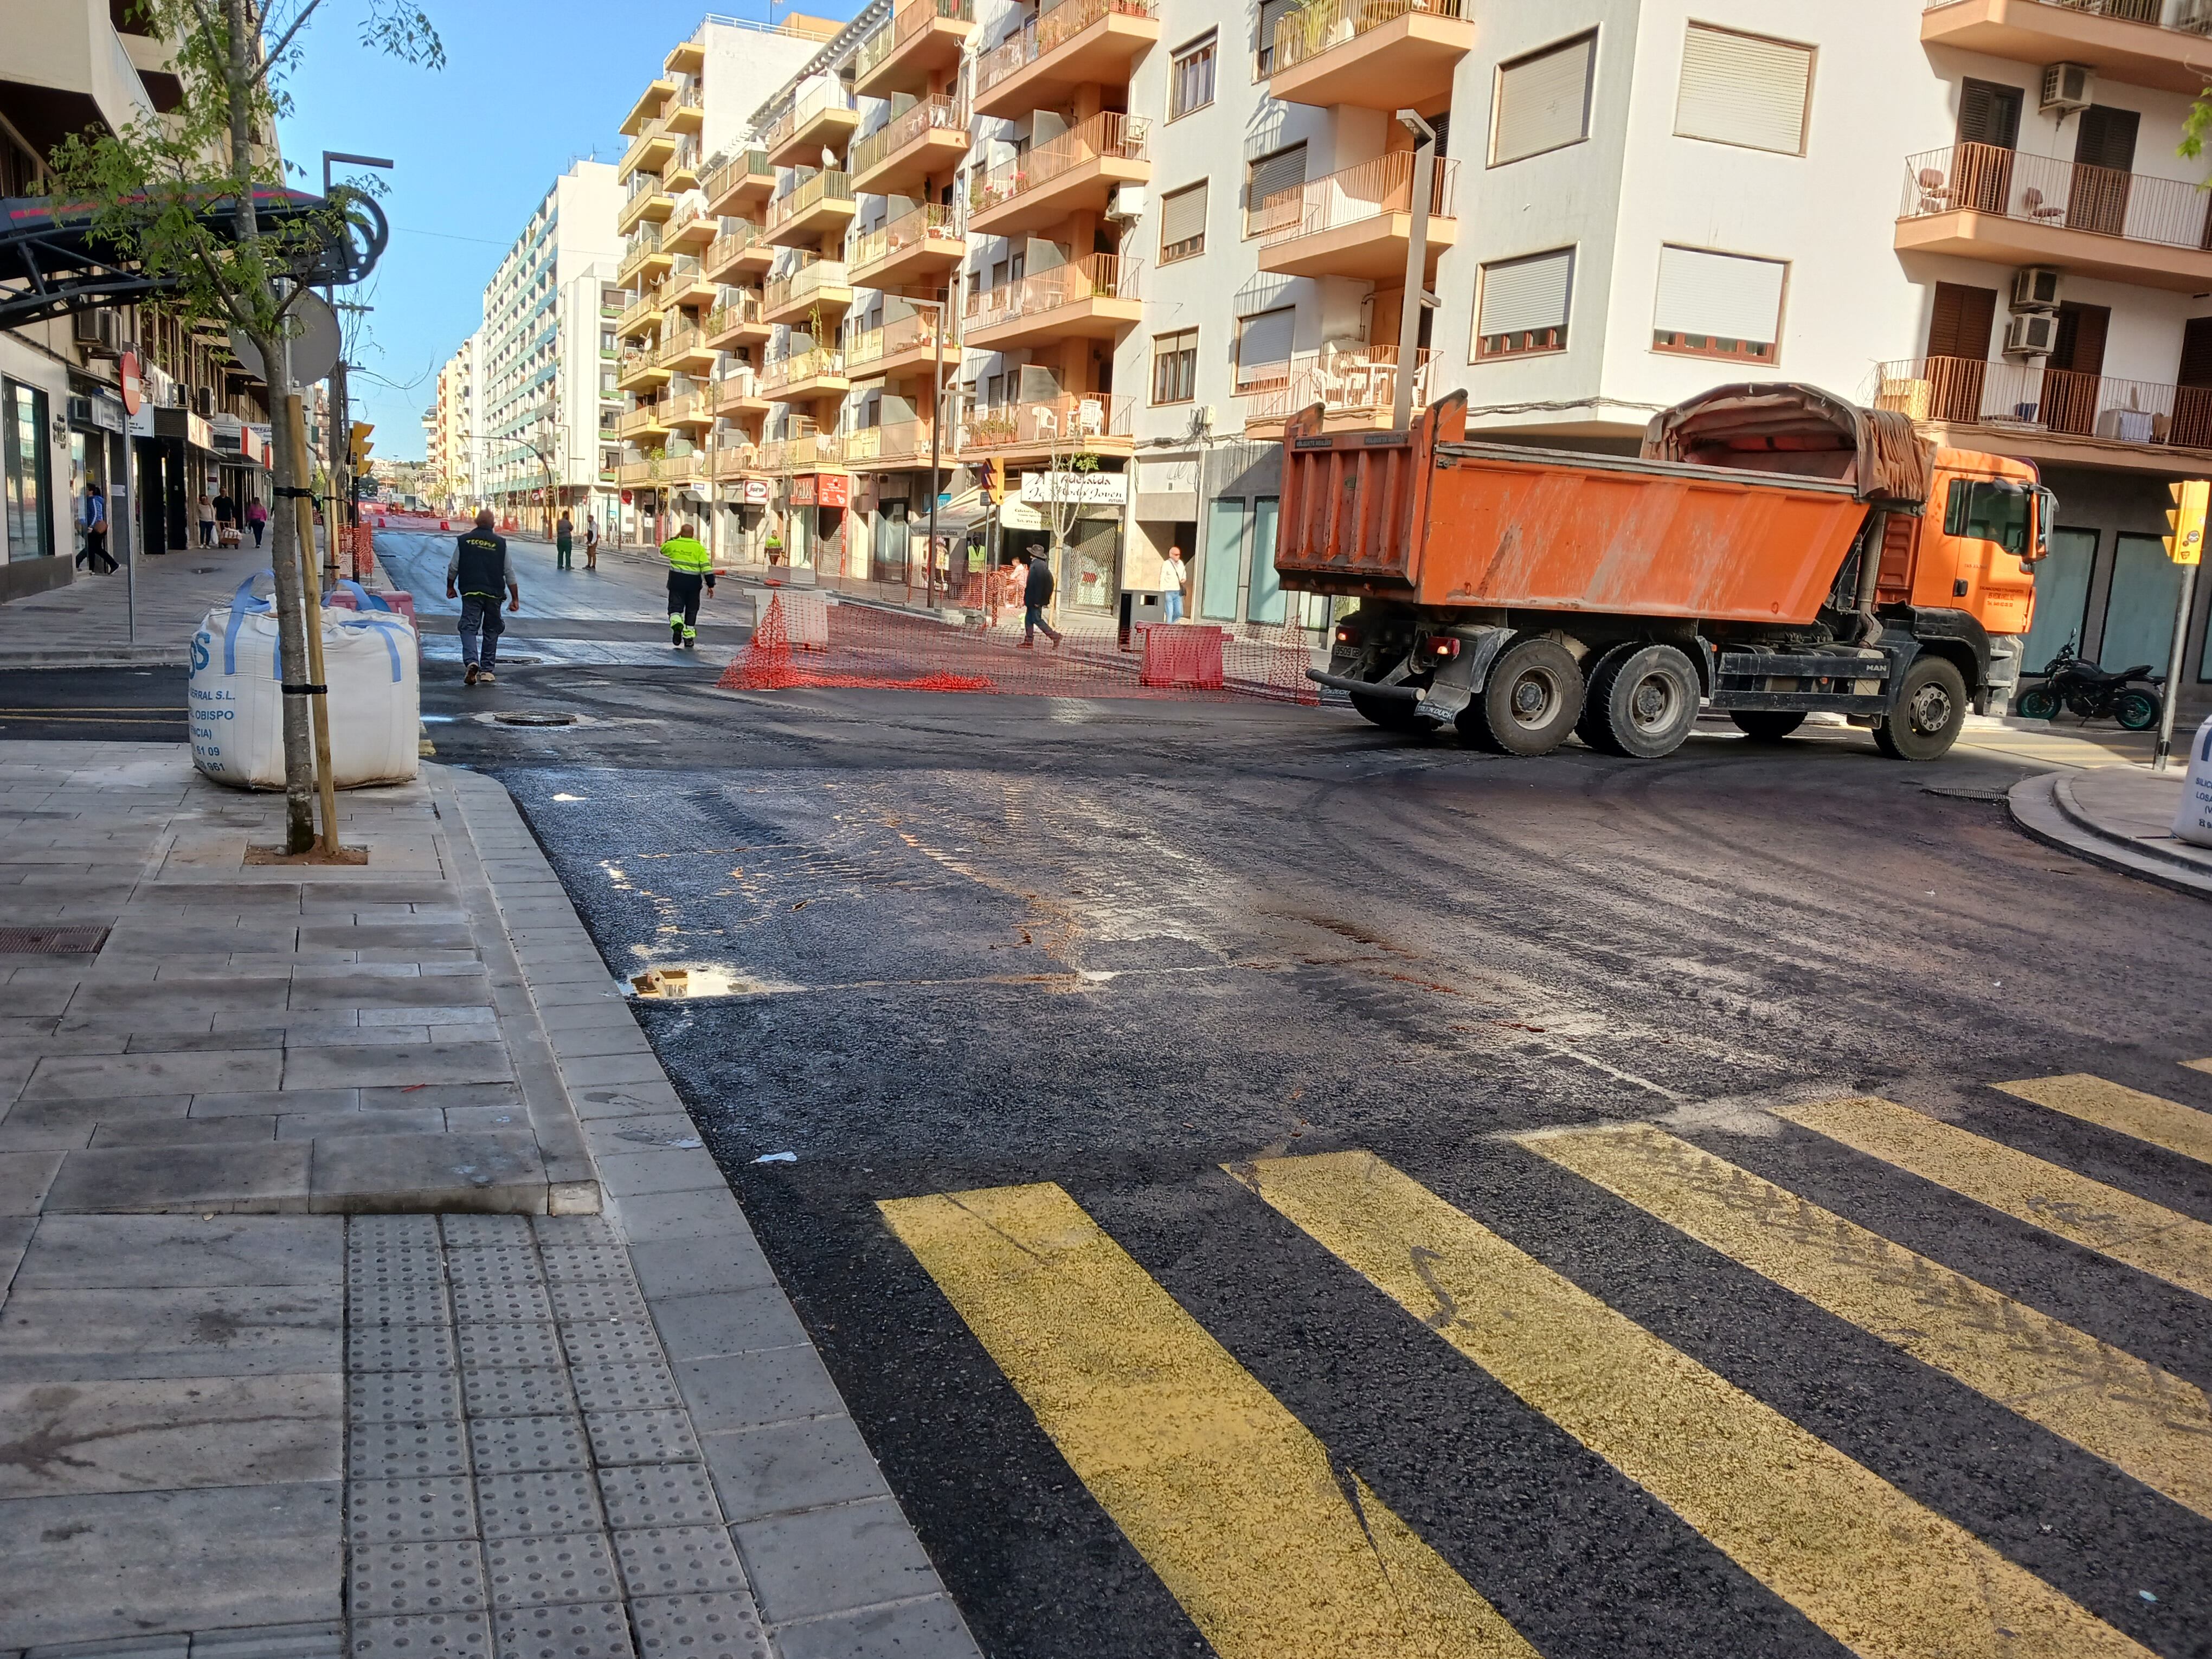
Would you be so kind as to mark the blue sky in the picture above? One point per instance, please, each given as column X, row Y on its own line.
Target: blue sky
column 526, row 90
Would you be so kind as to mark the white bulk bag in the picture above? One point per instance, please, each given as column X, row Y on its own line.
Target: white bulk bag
column 2193, row 820
column 235, row 694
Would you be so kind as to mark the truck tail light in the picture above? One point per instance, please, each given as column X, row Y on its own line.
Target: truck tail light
column 1347, row 636
column 1442, row 649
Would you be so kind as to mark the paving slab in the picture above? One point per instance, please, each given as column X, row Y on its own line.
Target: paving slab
column 169, row 1433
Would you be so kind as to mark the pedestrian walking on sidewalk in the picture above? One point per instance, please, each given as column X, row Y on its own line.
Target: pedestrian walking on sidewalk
column 257, row 515
column 475, row 575
column 691, row 567
column 206, row 519
column 1173, row 573
column 564, row 545
column 591, row 543
column 93, row 555
column 1037, row 594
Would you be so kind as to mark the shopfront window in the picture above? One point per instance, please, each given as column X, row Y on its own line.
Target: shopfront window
column 2062, row 597
column 1265, row 604
column 2139, row 616
column 30, row 507
column 1221, row 574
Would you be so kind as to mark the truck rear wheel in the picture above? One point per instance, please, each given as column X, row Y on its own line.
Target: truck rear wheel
column 1647, row 701
column 1768, row 724
column 1931, row 708
column 1590, row 727
column 1391, row 714
column 1530, row 701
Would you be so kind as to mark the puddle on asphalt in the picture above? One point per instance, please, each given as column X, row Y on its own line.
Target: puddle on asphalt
column 688, row 981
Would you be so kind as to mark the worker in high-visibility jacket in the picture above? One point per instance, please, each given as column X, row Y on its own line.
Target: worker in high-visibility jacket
column 691, row 569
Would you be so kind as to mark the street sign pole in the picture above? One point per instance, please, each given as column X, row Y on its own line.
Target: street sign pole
column 2192, row 500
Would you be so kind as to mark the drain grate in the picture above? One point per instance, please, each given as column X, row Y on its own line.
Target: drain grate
column 52, row 941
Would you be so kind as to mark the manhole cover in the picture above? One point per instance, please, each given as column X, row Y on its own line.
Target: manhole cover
column 535, row 717
column 52, row 941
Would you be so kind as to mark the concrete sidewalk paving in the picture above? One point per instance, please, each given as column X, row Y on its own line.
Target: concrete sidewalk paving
column 87, row 623
column 363, row 1286
column 2120, row 817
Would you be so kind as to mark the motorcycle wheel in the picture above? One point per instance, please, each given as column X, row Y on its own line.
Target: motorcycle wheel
column 2135, row 709
column 2039, row 703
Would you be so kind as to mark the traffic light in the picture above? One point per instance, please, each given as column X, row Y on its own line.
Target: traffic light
column 361, row 447
column 994, row 481
column 2185, row 543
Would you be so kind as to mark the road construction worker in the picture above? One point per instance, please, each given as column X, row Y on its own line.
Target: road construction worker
column 690, row 566
column 475, row 575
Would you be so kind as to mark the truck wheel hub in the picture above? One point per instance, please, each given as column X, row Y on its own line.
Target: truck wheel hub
column 1931, row 708
column 1532, row 699
column 1652, row 703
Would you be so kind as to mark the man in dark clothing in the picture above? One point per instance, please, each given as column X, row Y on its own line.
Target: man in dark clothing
column 475, row 575
column 1037, row 594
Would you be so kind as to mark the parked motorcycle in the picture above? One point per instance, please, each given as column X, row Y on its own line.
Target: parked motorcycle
column 2094, row 693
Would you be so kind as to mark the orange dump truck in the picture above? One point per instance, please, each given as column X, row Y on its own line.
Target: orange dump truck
column 1775, row 551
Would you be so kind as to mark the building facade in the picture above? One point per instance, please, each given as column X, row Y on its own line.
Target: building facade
column 449, row 426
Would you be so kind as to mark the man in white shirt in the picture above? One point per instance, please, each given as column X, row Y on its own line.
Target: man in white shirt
column 1172, row 574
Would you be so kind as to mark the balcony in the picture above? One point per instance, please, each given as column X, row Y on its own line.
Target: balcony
column 736, row 322
column 739, row 396
column 689, row 231
column 1075, row 172
column 921, row 43
column 741, row 251
column 818, row 208
column 913, row 247
column 2051, row 414
column 1984, row 202
column 1372, row 54
column 804, row 375
column 2145, row 43
column 807, row 451
column 691, row 409
column 686, row 286
column 897, row 348
column 647, row 152
column 685, row 349
column 1096, row 421
column 1095, row 297
column 658, row 92
column 641, row 370
column 731, row 462
column 921, row 143
column 684, row 112
column 687, row 57
column 818, row 284
column 1359, row 222
column 1354, row 388
column 645, row 421
column 1077, row 43
column 641, row 318
column 648, row 200
column 826, row 119
column 645, row 262
column 682, row 171
column 885, row 448
column 742, row 183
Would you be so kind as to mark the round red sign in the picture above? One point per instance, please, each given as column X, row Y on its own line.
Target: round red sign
column 134, row 392
column 625, row 498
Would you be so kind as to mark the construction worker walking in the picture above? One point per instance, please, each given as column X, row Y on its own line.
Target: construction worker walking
column 691, row 567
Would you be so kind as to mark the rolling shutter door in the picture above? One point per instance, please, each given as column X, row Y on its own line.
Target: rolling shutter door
column 1741, row 89
column 1543, row 103
column 1523, row 295
column 1273, row 174
column 1263, row 345
column 1182, row 216
column 1272, row 12
column 1720, row 295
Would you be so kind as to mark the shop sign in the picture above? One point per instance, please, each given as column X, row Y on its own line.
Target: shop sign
column 833, row 489
column 802, row 490
column 754, row 492
column 1089, row 488
column 1015, row 513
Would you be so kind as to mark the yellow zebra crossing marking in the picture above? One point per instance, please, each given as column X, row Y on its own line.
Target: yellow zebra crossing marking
column 1229, row 1498
column 1886, row 1576
column 2152, row 1118
column 2148, row 1424
column 2146, row 1236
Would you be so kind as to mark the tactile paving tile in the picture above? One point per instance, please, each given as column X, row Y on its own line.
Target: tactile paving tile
column 573, row 1229
column 401, row 1348
column 406, row 1451
column 679, row 1561
column 392, row 1266
column 659, row 1495
column 517, row 1390
column 619, row 1437
column 382, row 1232
column 385, row 1579
column 576, row 1263
column 437, row 1636
column 581, row 1301
column 510, row 1345
column 544, row 1504
column 615, row 1342
column 403, row 1397
column 503, row 1304
column 596, row 1630
column 419, row 1511
column 495, row 1264
column 402, row 1301
column 519, row 1445
column 466, row 1232
column 636, row 1385
column 698, row 1627
column 529, row 1572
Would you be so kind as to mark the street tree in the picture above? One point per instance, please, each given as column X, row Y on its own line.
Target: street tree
column 187, row 197
column 1071, row 458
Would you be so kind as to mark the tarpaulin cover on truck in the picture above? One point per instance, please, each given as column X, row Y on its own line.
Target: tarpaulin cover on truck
column 1801, row 430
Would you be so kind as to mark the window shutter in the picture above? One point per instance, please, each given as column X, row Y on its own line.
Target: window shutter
column 1273, row 174
column 1719, row 294
column 1264, row 341
column 1272, row 12
column 1519, row 294
column 1182, row 216
column 1741, row 89
column 1543, row 101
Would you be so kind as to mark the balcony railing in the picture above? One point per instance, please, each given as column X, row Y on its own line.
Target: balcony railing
column 678, row 343
column 636, row 359
column 1342, row 382
column 802, row 452
column 736, row 308
column 902, row 441
column 644, row 184
column 1315, row 27
column 685, row 407
column 742, row 385
column 1051, row 31
column 917, row 331
column 731, row 460
column 685, row 161
column 821, row 99
column 940, row 113
column 1106, row 133
column 646, row 417
column 931, row 222
column 906, row 22
column 684, row 273
column 1063, row 423
column 822, row 187
column 746, row 164
column 638, row 315
column 2183, row 16
column 1095, row 276
column 2067, row 194
column 809, row 278
column 1369, row 191
column 778, row 373
column 2024, row 399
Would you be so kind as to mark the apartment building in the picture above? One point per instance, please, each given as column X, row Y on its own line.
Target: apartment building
column 450, row 446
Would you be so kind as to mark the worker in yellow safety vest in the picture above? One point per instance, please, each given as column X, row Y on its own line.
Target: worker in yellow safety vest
column 691, row 567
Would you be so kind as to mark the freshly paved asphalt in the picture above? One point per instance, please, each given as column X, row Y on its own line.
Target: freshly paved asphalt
column 1116, row 947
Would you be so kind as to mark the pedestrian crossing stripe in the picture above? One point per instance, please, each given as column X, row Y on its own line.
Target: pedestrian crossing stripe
column 2145, row 1117
column 1274, row 1551
column 1886, row 1576
column 2145, row 1422
column 2147, row 1237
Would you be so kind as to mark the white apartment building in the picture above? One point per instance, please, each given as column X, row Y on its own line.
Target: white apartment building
column 538, row 385
column 449, row 426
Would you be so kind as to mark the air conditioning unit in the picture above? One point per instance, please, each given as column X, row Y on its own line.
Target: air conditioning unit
column 95, row 331
column 1128, row 201
column 204, row 401
column 2032, row 334
column 2067, row 88
column 2035, row 288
